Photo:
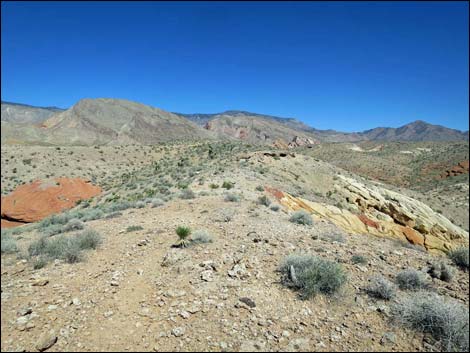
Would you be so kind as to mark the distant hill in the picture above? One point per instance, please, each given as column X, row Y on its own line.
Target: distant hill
column 105, row 121
column 119, row 121
column 26, row 114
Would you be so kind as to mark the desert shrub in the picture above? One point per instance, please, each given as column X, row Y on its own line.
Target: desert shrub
column 460, row 257
column 214, row 186
column 301, row 217
column 88, row 239
column 228, row 185
column 139, row 204
column 118, row 206
column 113, row 215
column 133, row 228
column 312, row 275
column 381, row 288
column 441, row 271
column 8, row 243
column 40, row 262
column 275, row 208
column 410, row 280
column 73, row 224
column 446, row 320
column 183, row 233
column 53, row 229
column 201, row 237
column 359, row 259
column 187, row 194
column 232, row 198
column 264, row 200
column 259, row 188
column 156, row 202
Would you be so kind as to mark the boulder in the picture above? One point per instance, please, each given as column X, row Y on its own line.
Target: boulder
column 40, row 199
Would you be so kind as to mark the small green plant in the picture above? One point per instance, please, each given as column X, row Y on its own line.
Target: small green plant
column 460, row 257
column 133, row 228
column 312, row 275
column 40, row 262
column 259, row 188
column 410, row 280
column 139, row 204
column 381, row 288
column 359, row 259
column 156, row 202
column 183, row 233
column 228, row 185
column 264, row 200
column 275, row 208
column 8, row 243
column 301, row 217
column 214, row 186
column 73, row 224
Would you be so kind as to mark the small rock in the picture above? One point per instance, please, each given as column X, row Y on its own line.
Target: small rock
column 207, row 276
column 46, row 341
column 76, row 301
column 114, row 283
column 40, row 282
column 388, row 338
column 250, row 302
column 108, row 313
column 185, row 314
column 178, row 331
column 24, row 311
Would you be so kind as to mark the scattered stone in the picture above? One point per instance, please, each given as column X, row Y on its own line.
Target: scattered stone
column 46, row 341
column 250, row 302
column 24, row 311
column 185, row 314
column 207, row 276
column 178, row 331
column 40, row 282
column 108, row 314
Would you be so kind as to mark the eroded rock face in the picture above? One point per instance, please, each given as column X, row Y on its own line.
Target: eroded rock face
column 298, row 141
column 38, row 200
column 383, row 213
column 461, row 168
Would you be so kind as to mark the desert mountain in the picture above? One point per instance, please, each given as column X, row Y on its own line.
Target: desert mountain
column 26, row 114
column 107, row 121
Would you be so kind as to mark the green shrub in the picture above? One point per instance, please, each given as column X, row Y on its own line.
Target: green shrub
column 228, row 185
column 301, row 217
column 73, row 224
column 113, row 215
column 381, row 288
column 214, row 186
column 139, row 204
column 88, row 239
column 359, row 259
column 446, row 320
column 410, row 280
column 264, row 200
column 201, row 237
column 259, row 188
column 156, row 202
column 183, row 233
column 133, row 228
column 312, row 275
column 275, row 208
column 8, row 243
column 460, row 257
column 40, row 262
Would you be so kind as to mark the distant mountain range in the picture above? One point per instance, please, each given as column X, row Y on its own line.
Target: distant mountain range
column 119, row 121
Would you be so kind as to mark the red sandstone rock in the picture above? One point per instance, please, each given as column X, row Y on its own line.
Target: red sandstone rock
column 368, row 222
column 38, row 200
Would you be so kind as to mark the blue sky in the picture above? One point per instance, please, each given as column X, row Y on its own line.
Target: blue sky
column 348, row 66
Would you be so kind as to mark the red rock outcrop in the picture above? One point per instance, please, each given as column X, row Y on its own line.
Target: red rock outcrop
column 461, row 168
column 40, row 199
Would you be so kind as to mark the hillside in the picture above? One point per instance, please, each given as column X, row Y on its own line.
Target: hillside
column 26, row 114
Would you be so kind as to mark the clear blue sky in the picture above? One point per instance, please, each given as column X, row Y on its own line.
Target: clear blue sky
column 348, row 66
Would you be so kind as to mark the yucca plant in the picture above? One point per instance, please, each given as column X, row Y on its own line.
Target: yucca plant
column 183, row 234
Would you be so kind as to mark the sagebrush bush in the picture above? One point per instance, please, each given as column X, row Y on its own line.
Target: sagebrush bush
column 73, row 224
column 381, row 288
column 157, row 202
column 88, row 239
column 441, row 271
column 187, row 194
column 113, row 215
column 301, row 217
column 259, row 188
column 140, row 204
column 312, row 275
column 446, row 320
column 460, row 257
column 359, row 259
column 275, row 207
column 8, row 243
column 214, row 186
column 201, row 237
column 232, row 198
column 264, row 200
column 410, row 280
